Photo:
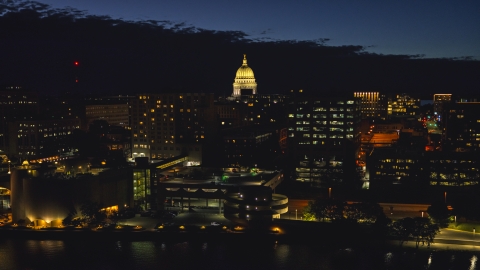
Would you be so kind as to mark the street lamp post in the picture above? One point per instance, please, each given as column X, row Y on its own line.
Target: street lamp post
column 329, row 192
column 445, row 197
column 296, row 217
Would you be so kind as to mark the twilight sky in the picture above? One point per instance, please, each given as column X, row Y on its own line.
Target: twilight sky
column 434, row 28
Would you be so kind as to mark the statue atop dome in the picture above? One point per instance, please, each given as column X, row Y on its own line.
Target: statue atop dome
column 244, row 79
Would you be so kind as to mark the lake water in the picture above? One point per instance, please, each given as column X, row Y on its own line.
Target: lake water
column 96, row 254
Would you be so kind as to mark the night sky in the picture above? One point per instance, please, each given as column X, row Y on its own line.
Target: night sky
column 433, row 28
column 127, row 47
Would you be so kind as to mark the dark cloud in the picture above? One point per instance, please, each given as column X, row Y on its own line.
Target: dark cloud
column 39, row 44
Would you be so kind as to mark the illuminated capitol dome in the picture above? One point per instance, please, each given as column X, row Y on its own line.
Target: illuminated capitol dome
column 244, row 79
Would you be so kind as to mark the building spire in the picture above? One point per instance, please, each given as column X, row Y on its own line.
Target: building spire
column 244, row 59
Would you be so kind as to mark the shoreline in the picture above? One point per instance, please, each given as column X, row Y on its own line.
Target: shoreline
column 240, row 237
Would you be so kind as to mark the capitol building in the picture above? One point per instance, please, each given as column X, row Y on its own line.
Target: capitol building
column 244, row 80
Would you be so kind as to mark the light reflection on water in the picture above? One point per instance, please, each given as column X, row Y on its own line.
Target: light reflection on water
column 90, row 254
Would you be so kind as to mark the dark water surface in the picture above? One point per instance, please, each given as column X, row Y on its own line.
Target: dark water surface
column 109, row 254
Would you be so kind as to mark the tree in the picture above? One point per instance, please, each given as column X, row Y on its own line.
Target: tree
column 328, row 209
column 308, row 212
column 439, row 213
column 402, row 229
column 68, row 220
column 365, row 212
column 91, row 211
column 424, row 231
column 420, row 229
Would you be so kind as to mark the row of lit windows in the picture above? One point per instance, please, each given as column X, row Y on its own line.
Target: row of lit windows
column 388, row 160
column 337, row 123
column 450, row 161
column 301, row 115
column 321, row 142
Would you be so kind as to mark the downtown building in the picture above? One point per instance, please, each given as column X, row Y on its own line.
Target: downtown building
column 113, row 109
column 372, row 105
column 170, row 125
column 324, row 138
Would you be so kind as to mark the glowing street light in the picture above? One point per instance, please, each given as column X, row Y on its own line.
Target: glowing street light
column 296, row 217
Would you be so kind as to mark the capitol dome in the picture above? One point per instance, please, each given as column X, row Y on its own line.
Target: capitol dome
column 244, row 72
column 244, row 79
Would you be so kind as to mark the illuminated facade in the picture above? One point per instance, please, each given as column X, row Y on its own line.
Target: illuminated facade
column 244, row 79
column 254, row 205
column 168, row 125
column 15, row 103
column 114, row 114
column 263, row 110
column 42, row 197
column 324, row 137
column 462, row 127
column 403, row 105
column 373, row 104
column 438, row 101
column 31, row 139
column 396, row 166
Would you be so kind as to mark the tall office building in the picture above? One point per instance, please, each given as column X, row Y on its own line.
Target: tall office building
column 39, row 139
column 439, row 100
column 114, row 114
column 16, row 103
column 324, row 138
column 168, row 125
column 373, row 104
column 401, row 105
column 462, row 127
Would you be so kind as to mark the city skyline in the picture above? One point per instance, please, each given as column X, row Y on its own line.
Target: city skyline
column 41, row 46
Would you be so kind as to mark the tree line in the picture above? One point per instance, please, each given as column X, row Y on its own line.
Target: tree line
column 419, row 229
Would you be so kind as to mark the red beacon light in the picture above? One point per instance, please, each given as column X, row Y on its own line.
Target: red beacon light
column 75, row 63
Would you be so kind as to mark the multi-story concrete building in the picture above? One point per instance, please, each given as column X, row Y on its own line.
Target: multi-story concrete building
column 168, row 125
column 324, row 138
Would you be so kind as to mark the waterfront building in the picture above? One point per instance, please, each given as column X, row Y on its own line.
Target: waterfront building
column 44, row 198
